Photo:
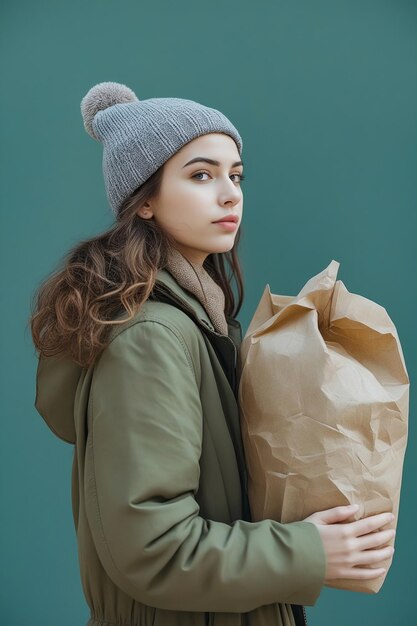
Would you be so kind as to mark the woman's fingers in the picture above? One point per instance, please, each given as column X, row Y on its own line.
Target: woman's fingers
column 376, row 539
column 333, row 515
column 372, row 557
column 370, row 524
column 354, row 550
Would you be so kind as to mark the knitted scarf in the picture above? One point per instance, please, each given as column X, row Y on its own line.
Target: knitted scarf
column 195, row 279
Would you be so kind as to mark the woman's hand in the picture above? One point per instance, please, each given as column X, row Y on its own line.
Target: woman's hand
column 352, row 546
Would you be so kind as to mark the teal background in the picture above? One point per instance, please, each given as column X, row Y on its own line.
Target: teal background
column 324, row 94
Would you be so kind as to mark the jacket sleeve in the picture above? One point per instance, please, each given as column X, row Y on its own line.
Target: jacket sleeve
column 142, row 475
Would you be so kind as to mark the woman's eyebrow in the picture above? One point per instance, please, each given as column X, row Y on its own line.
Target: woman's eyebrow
column 211, row 161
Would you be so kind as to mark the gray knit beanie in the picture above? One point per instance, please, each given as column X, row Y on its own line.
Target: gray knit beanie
column 138, row 136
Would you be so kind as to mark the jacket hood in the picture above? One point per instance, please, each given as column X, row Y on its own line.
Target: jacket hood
column 57, row 377
column 56, row 384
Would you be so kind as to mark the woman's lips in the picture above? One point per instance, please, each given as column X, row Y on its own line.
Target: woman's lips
column 227, row 225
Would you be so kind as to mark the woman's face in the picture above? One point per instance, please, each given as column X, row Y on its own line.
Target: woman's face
column 194, row 195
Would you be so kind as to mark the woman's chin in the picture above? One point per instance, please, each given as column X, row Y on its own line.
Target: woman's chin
column 225, row 245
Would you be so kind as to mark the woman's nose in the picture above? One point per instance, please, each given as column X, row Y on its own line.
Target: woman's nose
column 231, row 193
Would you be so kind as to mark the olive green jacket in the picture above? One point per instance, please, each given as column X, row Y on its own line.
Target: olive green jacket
column 159, row 481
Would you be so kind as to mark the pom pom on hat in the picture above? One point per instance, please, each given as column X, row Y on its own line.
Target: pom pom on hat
column 100, row 97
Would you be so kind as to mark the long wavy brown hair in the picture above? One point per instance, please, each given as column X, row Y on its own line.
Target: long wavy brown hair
column 103, row 281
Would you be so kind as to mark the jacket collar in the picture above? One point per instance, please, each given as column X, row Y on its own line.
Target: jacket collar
column 173, row 290
column 170, row 284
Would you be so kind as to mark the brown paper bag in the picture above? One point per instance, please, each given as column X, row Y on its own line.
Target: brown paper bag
column 323, row 399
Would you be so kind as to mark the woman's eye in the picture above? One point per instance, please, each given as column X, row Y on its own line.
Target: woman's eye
column 199, row 174
column 241, row 176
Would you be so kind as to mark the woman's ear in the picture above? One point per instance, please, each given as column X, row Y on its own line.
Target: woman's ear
column 145, row 211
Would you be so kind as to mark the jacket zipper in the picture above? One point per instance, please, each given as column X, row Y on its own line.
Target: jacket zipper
column 305, row 616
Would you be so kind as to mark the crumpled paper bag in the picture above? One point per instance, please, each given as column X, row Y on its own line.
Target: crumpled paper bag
column 323, row 399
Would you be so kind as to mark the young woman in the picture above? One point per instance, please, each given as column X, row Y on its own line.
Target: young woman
column 138, row 341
